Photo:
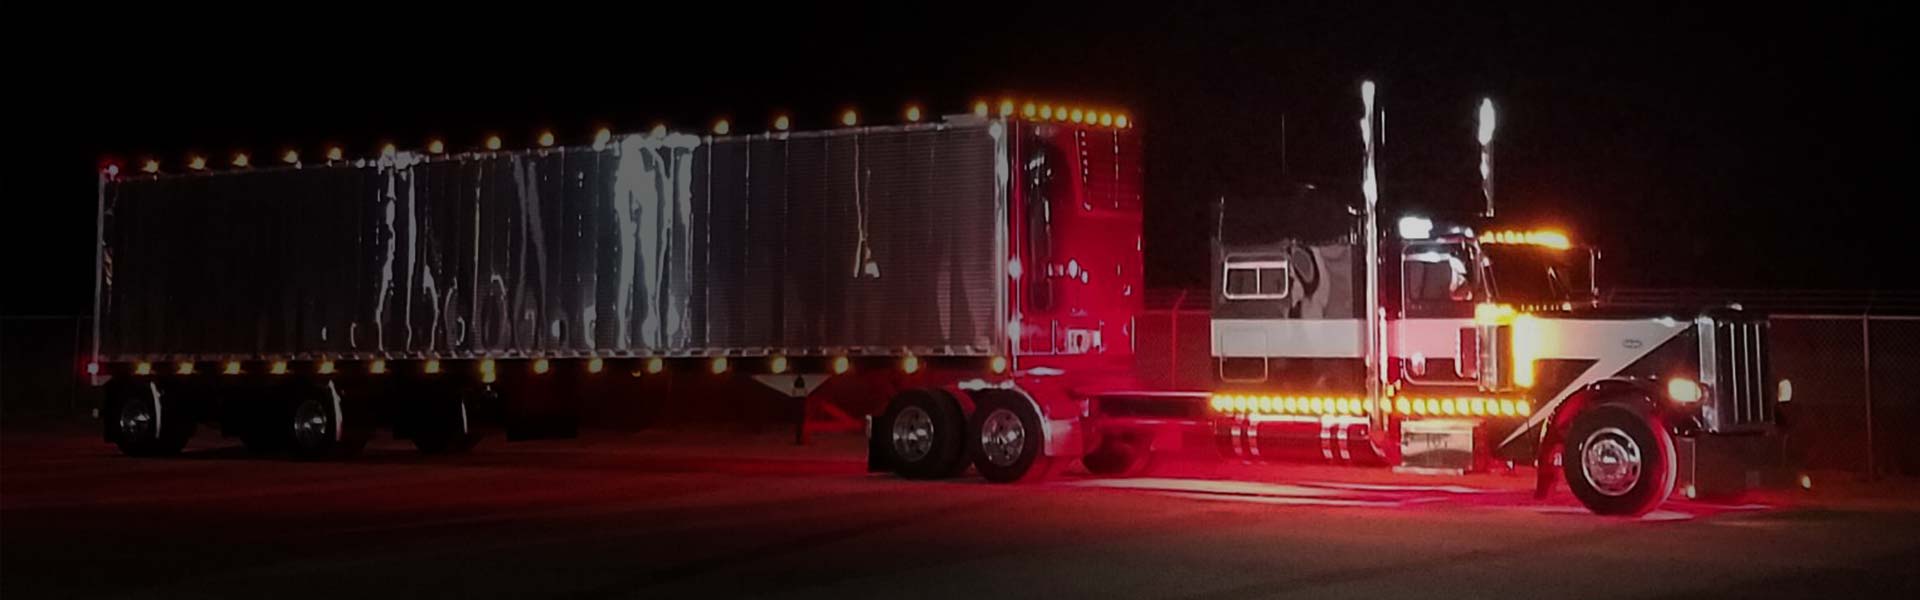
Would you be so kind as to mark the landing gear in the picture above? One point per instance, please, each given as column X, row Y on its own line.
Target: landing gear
column 1618, row 462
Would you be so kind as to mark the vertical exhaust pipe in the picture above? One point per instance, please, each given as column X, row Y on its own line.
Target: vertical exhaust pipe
column 1370, row 188
column 1485, row 136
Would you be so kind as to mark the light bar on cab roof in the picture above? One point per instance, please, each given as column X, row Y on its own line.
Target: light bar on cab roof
column 1547, row 238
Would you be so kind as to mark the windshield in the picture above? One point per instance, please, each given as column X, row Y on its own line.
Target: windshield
column 1527, row 274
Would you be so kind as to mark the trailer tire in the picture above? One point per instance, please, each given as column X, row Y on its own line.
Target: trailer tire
column 1007, row 442
column 1119, row 456
column 327, row 423
column 1618, row 462
column 921, row 434
column 149, row 423
column 448, row 427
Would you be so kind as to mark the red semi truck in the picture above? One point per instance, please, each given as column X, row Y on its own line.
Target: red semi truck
column 972, row 286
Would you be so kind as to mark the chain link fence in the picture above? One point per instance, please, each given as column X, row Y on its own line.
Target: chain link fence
column 1856, row 391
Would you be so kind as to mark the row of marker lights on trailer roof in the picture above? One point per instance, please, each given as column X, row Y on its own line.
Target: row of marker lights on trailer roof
column 1315, row 405
column 777, row 364
column 1048, row 112
column 602, row 136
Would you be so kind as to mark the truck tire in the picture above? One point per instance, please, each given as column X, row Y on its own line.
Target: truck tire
column 1006, row 440
column 448, row 427
column 147, row 422
column 1618, row 462
column 921, row 435
column 326, row 424
column 1119, row 456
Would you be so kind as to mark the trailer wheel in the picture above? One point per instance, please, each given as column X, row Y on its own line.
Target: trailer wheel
column 147, row 422
column 1119, row 456
column 448, row 427
column 920, row 433
column 1618, row 462
column 1006, row 440
column 326, row 424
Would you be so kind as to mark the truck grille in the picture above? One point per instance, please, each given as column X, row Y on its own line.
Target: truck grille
column 1737, row 371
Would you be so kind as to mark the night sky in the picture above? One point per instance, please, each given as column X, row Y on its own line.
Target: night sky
column 1696, row 147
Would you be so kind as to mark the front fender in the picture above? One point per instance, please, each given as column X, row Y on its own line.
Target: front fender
column 1635, row 396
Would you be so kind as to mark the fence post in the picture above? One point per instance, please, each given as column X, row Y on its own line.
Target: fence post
column 1866, row 388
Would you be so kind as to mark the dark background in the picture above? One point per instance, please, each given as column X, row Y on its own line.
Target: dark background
column 1699, row 147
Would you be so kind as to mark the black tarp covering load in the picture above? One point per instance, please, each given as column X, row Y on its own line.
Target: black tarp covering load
column 868, row 241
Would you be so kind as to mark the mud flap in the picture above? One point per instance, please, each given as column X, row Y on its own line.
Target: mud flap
column 876, row 456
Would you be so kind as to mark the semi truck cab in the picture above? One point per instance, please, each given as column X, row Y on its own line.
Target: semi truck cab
column 1493, row 350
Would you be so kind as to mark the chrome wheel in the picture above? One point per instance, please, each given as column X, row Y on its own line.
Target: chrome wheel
column 312, row 426
column 1611, row 461
column 136, row 420
column 1002, row 437
column 912, row 434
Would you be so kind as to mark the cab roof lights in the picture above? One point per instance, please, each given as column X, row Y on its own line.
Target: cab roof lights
column 1544, row 237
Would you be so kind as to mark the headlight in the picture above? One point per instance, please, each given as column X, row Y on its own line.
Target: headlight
column 1684, row 390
